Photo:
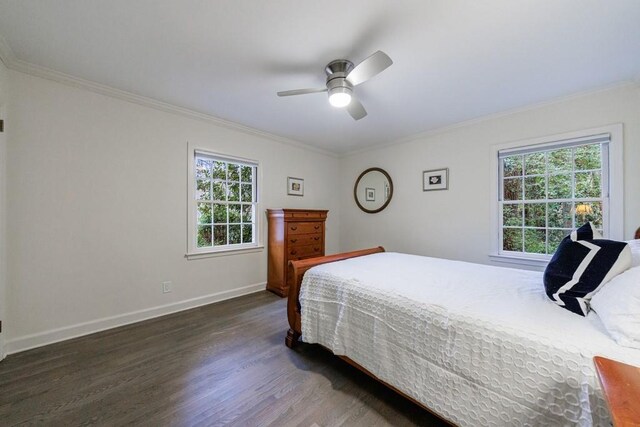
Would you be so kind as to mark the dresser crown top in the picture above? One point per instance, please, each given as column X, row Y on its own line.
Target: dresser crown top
column 297, row 214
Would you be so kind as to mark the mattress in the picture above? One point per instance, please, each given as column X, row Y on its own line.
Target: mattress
column 477, row 344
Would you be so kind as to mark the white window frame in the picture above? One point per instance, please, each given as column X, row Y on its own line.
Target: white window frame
column 193, row 251
column 613, row 188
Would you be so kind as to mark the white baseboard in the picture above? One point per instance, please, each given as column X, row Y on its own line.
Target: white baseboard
column 28, row 342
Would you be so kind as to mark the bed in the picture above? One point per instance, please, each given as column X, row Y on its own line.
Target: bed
column 473, row 344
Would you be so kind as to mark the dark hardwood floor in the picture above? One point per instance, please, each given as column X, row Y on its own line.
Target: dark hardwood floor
column 222, row 364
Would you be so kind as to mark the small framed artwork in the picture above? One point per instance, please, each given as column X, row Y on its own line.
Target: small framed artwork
column 295, row 186
column 370, row 194
column 436, row 179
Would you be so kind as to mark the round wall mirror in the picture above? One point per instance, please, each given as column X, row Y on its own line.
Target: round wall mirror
column 373, row 190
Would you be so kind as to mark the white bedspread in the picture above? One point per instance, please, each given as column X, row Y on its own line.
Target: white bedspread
column 479, row 345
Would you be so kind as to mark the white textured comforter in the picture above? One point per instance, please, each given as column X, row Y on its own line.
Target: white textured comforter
column 480, row 345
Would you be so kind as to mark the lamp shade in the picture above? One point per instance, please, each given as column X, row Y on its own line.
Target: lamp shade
column 583, row 209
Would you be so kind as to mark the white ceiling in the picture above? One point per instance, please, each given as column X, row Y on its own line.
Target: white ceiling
column 454, row 60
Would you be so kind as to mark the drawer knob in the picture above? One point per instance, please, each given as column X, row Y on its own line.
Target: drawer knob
column 316, row 238
column 293, row 252
column 294, row 240
column 293, row 227
column 316, row 249
column 316, row 227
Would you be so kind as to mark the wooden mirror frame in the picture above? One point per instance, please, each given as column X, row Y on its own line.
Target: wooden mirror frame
column 355, row 190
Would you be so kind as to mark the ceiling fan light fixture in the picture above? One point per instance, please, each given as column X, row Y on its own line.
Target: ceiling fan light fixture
column 340, row 97
column 342, row 76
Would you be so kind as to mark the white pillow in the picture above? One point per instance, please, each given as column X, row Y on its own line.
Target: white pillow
column 618, row 306
column 635, row 252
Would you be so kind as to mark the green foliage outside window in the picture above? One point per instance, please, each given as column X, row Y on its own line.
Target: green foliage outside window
column 225, row 194
column 540, row 192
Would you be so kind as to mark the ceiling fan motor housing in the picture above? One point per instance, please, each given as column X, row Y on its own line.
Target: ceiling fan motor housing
column 337, row 72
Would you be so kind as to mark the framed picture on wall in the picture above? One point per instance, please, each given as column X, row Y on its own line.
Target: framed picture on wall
column 295, row 186
column 370, row 194
column 436, row 179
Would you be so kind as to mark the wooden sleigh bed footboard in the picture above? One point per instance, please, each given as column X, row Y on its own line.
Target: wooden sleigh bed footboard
column 296, row 273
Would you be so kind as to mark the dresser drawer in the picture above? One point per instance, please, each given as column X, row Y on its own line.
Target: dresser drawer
column 300, row 252
column 304, row 239
column 304, row 227
column 310, row 215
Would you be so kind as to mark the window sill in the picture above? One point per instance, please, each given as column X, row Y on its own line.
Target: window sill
column 539, row 263
column 224, row 252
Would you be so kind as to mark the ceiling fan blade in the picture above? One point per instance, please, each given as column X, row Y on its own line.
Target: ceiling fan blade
column 375, row 64
column 301, row 91
column 356, row 109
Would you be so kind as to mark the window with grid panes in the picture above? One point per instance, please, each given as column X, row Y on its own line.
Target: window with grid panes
column 225, row 202
column 547, row 191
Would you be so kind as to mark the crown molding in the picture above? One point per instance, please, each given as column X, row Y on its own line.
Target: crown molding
column 6, row 54
column 494, row 116
column 9, row 59
column 12, row 62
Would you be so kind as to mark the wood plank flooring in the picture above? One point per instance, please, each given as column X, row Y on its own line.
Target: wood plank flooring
column 221, row 364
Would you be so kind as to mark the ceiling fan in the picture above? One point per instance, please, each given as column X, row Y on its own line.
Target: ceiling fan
column 342, row 76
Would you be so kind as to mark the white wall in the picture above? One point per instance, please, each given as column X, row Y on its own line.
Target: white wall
column 456, row 223
column 4, row 102
column 97, row 193
column 96, row 200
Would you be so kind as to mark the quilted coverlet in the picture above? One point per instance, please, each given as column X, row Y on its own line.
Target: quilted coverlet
column 477, row 344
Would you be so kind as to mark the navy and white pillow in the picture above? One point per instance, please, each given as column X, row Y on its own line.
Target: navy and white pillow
column 583, row 262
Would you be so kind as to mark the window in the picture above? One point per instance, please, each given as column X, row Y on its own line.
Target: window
column 224, row 201
column 546, row 190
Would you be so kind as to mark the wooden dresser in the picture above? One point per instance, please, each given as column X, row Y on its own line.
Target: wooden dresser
column 293, row 234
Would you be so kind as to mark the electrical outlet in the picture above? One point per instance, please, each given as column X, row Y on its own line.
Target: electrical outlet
column 166, row 287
